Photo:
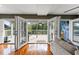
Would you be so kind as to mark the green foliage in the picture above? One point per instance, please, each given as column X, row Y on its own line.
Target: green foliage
column 36, row 28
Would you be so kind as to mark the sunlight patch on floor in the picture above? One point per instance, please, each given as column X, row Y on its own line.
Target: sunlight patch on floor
column 38, row 47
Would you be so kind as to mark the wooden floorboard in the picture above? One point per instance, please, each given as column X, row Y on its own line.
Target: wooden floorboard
column 5, row 49
column 25, row 50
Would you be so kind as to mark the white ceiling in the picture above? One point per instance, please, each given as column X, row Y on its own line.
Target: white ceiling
column 39, row 9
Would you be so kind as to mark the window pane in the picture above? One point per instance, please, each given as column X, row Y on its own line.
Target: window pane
column 37, row 28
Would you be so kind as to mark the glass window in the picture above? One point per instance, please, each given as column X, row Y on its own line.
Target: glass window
column 37, row 28
column 76, row 28
column 7, row 30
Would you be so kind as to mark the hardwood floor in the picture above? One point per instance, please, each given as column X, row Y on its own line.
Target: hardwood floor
column 6, row 49
column 34, row 49
column 28, row 49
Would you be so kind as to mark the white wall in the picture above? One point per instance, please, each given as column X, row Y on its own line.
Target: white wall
column 1, row 31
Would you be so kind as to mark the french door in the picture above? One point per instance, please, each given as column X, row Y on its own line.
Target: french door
column 54, row 28
column 21, row 32
column 74, row 31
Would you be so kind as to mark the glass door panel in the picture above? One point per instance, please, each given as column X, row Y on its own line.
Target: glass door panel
column 9, row 29
column 53, row 28
column 76, row 31
column 21, row 32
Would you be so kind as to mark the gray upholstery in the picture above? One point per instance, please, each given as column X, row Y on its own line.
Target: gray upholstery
column 69, row 47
